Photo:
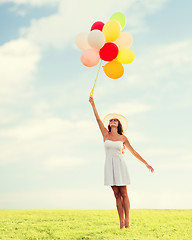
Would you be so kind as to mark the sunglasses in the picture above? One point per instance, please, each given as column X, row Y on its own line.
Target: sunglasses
column 115, row 119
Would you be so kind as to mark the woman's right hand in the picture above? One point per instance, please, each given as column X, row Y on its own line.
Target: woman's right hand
column 91, row 100
column 149, row 167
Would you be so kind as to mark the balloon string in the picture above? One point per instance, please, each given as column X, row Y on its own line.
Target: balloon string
column 92, row 91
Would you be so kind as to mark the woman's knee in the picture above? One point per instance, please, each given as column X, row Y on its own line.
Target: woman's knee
column 117, row 195
column 123, row 192
column 116, row 192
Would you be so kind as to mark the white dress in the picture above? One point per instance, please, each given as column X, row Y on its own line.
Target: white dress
column 115, row 168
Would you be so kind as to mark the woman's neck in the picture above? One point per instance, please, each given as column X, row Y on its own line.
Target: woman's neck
column 114, row 131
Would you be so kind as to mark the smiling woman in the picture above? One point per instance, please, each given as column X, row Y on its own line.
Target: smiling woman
column 115, row 170
column 45, row 145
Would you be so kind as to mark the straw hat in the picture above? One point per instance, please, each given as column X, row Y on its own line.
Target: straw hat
column 120, row 117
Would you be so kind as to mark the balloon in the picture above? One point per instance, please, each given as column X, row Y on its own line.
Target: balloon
column 125, row 40
column 82, row 41
column 97, row 25
column 96, row 39
column 111, row 30
column 120, row 17
column 90, row 57
column 114, row 69
column 109, row 52
column 126, row 56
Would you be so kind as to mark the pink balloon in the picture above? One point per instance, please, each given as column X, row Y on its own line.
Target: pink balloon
column 90, row 57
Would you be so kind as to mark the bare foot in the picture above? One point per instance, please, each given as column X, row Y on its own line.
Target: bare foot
column 127, row 223
column 122, row 223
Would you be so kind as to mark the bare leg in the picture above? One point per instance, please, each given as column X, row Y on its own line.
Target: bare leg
column 122, row 205
column 126, row 204
column 119, row 205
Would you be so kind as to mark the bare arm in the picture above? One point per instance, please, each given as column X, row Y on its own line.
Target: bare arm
column 104, row 130
column 136, row 154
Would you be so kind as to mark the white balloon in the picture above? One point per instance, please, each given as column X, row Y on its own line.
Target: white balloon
column 96, row 39
column 82, row 41
column 125, row 40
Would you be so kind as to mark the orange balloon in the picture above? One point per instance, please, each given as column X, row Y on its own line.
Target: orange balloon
column 113, row 69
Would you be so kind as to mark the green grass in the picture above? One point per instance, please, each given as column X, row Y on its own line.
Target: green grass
column 95, row 224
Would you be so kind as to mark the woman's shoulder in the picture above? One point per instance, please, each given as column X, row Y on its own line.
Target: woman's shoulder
column 124, row 138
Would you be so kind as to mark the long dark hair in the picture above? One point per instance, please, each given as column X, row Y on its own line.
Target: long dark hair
column 119, row 129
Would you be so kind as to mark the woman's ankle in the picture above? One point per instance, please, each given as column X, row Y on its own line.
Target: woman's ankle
column 122, row 223
column 127, row 223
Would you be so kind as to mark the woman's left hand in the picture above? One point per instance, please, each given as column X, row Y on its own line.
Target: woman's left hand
column 149, row 167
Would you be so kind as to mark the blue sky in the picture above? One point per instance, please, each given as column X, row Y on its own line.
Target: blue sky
column 52, row 151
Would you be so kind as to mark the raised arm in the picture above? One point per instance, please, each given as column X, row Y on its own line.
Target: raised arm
column 136, row 154
column 103, row 129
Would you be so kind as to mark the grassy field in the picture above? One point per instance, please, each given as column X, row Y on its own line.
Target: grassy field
column 95, row 224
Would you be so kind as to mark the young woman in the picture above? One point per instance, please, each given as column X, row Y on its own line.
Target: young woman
column 115, row 170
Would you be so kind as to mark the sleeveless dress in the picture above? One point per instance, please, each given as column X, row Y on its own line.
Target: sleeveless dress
column 115, row 168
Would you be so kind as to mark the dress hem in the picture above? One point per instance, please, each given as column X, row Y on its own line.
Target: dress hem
column 117, row 184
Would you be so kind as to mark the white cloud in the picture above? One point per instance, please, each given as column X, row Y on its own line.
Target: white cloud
column 32, row 2
column 162, row 62
column 153, row 6
column 8, row 116
column 130, row 108
column 51, row 141
column 55, row 161
column 169, row 158
column 175, row 165
column 20, row 12
column 42, row 109
column 172, row 55
column 59, row 30
column 164, row 151
column 18, row 61
column 136, row 136
column 37, row 128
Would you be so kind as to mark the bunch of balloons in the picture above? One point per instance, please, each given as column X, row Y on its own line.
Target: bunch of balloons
column 107, row 42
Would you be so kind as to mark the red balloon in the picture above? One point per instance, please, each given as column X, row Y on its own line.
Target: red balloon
column 109, row 51
column 98, row 26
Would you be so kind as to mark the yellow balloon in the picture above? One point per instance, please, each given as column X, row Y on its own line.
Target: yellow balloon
column 126, row 56
column 111, row 30
column 114, row 69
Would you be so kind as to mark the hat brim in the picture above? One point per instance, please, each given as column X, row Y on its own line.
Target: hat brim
column 120, row 117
